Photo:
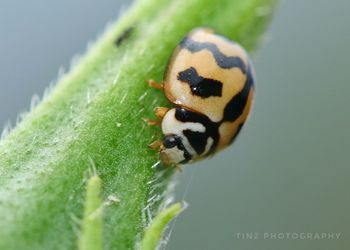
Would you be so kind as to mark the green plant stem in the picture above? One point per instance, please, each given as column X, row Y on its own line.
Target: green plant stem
column 93, row 118
column 91, row 235
column 154, row 232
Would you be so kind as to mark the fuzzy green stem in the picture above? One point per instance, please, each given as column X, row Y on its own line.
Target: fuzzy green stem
column 154, row 232
column 93, row 118
column 91, row 235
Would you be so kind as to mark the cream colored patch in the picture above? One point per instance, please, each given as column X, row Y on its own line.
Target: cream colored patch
column 208, row 146
column 172, row 155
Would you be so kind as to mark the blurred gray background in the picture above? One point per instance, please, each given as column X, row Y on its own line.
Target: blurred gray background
column 289, row 170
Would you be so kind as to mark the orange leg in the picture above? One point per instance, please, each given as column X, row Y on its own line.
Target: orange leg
column 152, row 83
column 155, row 145
column 160, row 112
column 151, row 122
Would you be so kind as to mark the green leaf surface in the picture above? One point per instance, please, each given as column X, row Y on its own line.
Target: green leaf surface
column 93, row 119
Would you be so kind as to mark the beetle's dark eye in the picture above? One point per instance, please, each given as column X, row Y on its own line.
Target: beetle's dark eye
column 171, row 141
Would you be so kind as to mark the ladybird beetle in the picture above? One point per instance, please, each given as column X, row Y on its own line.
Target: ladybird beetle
column 209, row 79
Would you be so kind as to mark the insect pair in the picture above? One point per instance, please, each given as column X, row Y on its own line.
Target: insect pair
column 209, row 79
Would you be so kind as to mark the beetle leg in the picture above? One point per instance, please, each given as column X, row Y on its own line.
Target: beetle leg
column 151, row 122
column 155, row 145
column 160, row 112
column 152, row 83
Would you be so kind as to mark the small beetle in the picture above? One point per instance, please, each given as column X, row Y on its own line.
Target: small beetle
column 210, row 81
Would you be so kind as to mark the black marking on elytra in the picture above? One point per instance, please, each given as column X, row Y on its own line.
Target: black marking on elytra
column 124, row 35
column 225, row 62
column 211, row 129
column 196, row 139
column 234, row 108
column 171, row 141
column 200, row 86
